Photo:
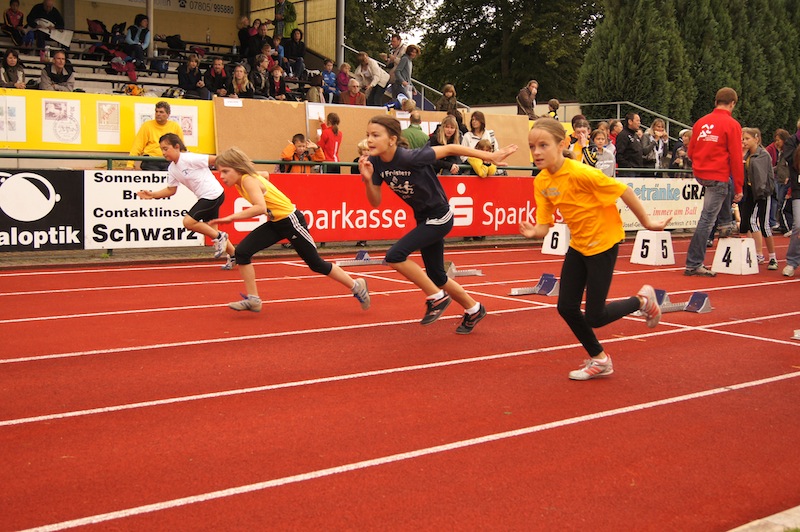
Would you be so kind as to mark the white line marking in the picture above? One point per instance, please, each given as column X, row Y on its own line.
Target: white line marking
column 399, row 457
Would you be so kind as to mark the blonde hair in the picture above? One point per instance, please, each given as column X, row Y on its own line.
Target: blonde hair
column 484, row 145
column 555, row 129
column 362, row 146
column 753, row 132
column 237, row 160
column 442, row 138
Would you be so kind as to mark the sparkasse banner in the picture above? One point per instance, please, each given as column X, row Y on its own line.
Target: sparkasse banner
column 41, row 210
column 115, row 217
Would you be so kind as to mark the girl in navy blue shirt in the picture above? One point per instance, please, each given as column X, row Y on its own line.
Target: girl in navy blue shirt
column 410, row 175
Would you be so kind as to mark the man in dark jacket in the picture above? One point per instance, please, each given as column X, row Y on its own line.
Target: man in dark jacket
column 216, row 78
column 629, row 143
column 45, row 11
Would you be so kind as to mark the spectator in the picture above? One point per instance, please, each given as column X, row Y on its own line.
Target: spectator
column 481, row 167
column 280, row 55
column 655, row 146
column 244, row 36
column 552, row 108
column 260, row 77
column 239, row 85
column 12, row 71
column 277, row 85
column 147, row 140
column 216, row 79
column 448, row 101
column 402, row 82
column 363, row 150
column 781, row 171
column 397, row 49
column 253, row 30
column 300, row 150
column 285, row 19
column 715, row 158
column 680, row 161
column 137, row 39
column 329, row 84
column 629, row 143
column 343, row 79
column 44, row 15
column 579, row 138
column 614, row 129
column 190, row 79
column 14, row 23
column 315, row 93
column 255, row 44
column 59, row 76
column 609, row 146
column 447, row 133
column 330, row 140
column 353, row 96
column 758, row 188
column 413, row 134
column 294, row 52
column 268, row 52
column 478, row 131
column 526, row 100
column 790, row 155
column 598, row 155
column 372, row 77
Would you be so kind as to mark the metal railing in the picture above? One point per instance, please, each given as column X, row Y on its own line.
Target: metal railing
column 620, row 115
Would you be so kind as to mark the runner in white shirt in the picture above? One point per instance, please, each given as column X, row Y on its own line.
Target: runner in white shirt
column 192, row 171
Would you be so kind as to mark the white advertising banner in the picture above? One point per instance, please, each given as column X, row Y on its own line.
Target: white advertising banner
column 216, row 8
column 115, row 217
column 681, row 198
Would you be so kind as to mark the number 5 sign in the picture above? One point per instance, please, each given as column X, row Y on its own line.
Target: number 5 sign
column 653, row 248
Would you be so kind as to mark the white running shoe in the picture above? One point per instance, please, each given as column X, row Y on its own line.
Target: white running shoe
column 591, row 369
column 229, row 264
column 361, row 293
column 251, row 303
column 788, row 271
column 650, row 308
column 219, row 244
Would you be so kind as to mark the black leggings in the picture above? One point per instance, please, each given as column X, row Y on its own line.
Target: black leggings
column 428, row 238
column 594, row 274
column 293, row 228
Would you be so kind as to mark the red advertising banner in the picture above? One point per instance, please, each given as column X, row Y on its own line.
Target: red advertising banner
column 336, row 207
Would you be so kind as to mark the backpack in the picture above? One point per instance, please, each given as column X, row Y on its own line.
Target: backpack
column 159, row 65
column 175, row 42
column 117, row 35
column 97, row 29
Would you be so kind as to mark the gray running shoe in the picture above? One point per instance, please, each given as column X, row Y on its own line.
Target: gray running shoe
column 361, row 292
column 251, row 303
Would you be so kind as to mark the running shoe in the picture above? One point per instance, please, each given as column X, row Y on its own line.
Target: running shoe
column 361, row 293
column 773, row 264
column 788, row 271
column 251, row 303
column 700, row 271
column 760, row 259
column 591, row 369
column 219, row 244
column 435, row 309
column 229, row 264
column 471, row 320
column 650, row 308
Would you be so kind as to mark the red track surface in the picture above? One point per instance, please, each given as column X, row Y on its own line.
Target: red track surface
column 132, row 397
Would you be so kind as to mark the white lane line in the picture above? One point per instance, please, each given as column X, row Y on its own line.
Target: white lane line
column 399, row 457
column 388, row 371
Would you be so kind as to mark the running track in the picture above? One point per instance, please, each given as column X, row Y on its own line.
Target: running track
column 131, row 398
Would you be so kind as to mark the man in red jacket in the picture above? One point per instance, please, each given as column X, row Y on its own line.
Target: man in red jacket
column 715, row 150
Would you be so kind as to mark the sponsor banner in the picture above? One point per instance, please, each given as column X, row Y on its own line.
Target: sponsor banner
column 115, row 217
column 216, row 8
column 41, row 210
column 681, row 198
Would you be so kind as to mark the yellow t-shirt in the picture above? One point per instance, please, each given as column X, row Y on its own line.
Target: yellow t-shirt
column 146, row 140
column 278, row 205
column 587, row 200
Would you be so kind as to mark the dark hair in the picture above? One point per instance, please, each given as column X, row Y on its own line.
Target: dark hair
column 480, row 117
column 782, row 134
column 10, row 51
column 299, row 137
column 630, row 116
column 576, row 118
column 333, row 120
column 173, row 140
column 725, row 96
column 139, row 18
column 296, row 30
column 392, row 126
column 164, row 105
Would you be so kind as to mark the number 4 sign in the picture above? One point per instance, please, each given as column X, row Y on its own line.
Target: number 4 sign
column 736, row 256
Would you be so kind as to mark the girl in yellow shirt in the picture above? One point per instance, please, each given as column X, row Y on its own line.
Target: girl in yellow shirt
column 587, row 200
column 283, row 221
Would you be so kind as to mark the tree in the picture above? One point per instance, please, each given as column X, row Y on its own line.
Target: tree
column 633, row 59
column 368, row 24
column 489, row 49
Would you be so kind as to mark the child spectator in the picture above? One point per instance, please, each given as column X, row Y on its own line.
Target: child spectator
column 315, row 93
column 260, row 77
column 598, row 155
column 448, row 101
column 482, row 167
column 579, row 139
column 330, row 140
column 329, row 82
column 277, row 85
column 13, row 23
column 552, row 108
column 300, row 150
column 447, row 133
column 343, row 78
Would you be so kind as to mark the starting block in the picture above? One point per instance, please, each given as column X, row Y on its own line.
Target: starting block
column 698, row 303
column 452, row 271
column 362, row 259
column 557, row 240
column 547, row 286
column 653, row 248
column 735, row 256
